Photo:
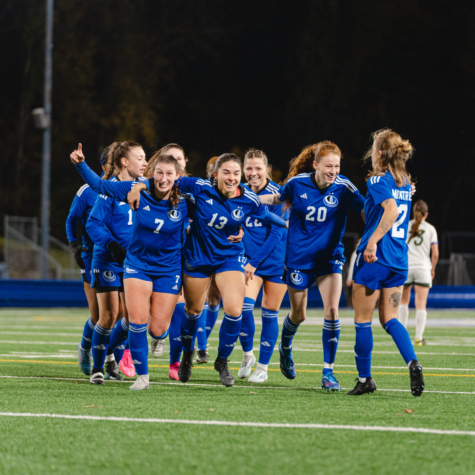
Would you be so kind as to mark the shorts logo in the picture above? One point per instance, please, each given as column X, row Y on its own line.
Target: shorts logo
column 238, row 214
column 109, row 276
column 331, row 201
column 188, row 266
column 296, row 278
column 130, row 271
column 174, row 215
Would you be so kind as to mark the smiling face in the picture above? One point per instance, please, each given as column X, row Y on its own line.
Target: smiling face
column 178, row 155
column 327, row 169
column 255, row 172
column 135, row 162
column 165, row 175
column 228, row 177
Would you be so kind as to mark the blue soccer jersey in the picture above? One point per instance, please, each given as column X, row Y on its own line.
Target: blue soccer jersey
column 317, row 219
column 80, row 210
column 215, row 219
column 264, row 245
column 392, row 248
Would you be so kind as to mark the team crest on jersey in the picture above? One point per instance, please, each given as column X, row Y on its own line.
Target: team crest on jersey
column 238, row 214
column 331, row 201
column 109, row 276
column 174, row 215
column 296, row 278
column 188, row 266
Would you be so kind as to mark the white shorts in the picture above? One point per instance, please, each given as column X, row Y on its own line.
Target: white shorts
column 419, row 277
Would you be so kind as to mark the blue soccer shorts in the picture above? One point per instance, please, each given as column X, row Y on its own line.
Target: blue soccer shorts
column 162, row 283
column 375, row 276
column 301, row 279
column 107, row 281
column 235, row 263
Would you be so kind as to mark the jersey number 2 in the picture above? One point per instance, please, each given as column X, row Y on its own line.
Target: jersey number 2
column 395, row 232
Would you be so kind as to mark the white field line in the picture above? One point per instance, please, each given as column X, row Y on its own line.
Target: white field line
column 18, row 355
column 14, row 342
column 38, row 327
column 265, row 425
column 76, row 335
column 219, row 386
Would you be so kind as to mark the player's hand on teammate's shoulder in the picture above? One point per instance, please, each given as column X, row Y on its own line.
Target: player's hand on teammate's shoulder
column 133, row 197
column 77, row 156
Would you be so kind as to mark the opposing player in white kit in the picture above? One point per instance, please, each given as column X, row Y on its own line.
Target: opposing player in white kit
column 423, row 256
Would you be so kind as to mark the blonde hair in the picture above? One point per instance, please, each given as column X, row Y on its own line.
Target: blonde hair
column 395, row 152
column 254, row 153
column 303, row 163
column 116, row 152
column 211, row 161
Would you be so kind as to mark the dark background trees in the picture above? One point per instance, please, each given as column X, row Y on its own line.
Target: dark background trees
column 217, row 76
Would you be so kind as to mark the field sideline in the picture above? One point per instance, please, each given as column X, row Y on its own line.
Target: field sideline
column 53, row 421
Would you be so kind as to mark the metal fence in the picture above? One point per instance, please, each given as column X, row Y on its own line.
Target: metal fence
column 23, row 254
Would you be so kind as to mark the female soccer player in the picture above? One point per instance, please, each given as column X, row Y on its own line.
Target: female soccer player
column 221, row 206
column 423, row 256
column 110, row 228
column 80, row 210
column 265, row 250
column 320, row 200
column 381, row 264
column 152, row 268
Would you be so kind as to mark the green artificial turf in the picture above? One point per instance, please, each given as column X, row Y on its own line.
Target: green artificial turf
column 49, row 446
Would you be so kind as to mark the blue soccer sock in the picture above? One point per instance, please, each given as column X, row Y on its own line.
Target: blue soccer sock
column 100, row 344
column 363, row 349
column 402, row 339
column 139, row 347
column 189, row 328
column 119, row 335
column 86, row 341
column 161, row 337
column 248, row 326
column 119, row 351
column 211, row 317
column 269, row 335
column 228, row 335
column 201, row 331
column 175, row 333
column 330, row 338
column 289, row 329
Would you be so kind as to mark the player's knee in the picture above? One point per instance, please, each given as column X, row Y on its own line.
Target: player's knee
column 331, row 312
column 298, row 317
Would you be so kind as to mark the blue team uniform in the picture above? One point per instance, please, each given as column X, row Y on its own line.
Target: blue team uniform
column 80, row 210
column 264, row 245
column 207, row 250
column 317, row 225
column 390, row 270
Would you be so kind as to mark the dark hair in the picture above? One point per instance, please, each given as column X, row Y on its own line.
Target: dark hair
column 116, row 152
column 420, row 209
column 224, row 158
column 148, row 173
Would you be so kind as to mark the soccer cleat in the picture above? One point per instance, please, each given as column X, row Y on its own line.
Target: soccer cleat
column 369, row 386
column 246, row 366
column 202, row 356
column 259, row 376
column 287, row 366
column 417, row 380
column 97, row 377
column 420, row 342
column 142, row 382
column 157, row 347
column 84, row 359
column 330, row 383
column 112, row 369
column 126, row 365
column 184, row 370
column 225, row 376
column 173, row 371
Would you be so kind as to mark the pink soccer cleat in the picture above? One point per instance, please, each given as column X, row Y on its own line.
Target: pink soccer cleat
column 173, row 371
column 127, row 365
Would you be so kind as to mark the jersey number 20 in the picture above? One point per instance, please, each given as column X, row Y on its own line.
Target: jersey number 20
column 321, row 214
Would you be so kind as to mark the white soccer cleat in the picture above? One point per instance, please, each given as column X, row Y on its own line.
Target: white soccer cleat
column 157, row 347
column 142, row 382
column 246, row 366
column 259, row 376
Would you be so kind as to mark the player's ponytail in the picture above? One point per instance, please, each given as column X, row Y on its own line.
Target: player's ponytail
column 211, row 167
column 117, row 151
column 420, row 209
column 254, row 153
column 395, row 152
column 150, row 168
